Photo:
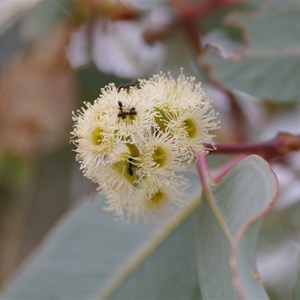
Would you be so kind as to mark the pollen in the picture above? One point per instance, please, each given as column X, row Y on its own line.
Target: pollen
column 159, row 156
column 190, row 128
column 157, row 198
column 97, row 136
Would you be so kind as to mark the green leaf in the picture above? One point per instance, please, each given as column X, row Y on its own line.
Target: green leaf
column 273, row 2
column 228, row 228
column 269, row 66
column 91, row 256
column 178, row 55
column 169, row 272
column 279, row 253
column 45, row 16
column 296, row 289
column 90, row 80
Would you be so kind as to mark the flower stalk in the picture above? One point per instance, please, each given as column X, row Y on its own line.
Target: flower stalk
column 283, row 144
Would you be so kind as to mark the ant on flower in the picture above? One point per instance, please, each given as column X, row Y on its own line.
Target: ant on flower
column 122, row 113
column 127, row 86
column 130, row 165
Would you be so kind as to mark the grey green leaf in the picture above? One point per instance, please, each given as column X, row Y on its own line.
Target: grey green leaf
column 279, row 252
column 91, row 256
column 269, row 65
column 227, row 242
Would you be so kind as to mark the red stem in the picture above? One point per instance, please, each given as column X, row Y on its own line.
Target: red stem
column 246, row 148
column 190, row 12
column 282, row 144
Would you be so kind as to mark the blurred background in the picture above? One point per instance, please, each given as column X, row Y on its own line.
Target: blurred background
column 55, row 54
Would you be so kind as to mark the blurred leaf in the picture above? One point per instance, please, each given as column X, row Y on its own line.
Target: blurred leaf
column 279, row 223
column 178, row 55
column 15, row 175
column 28, row 22
column 10, row 43
column 90, row 80
column 215, row 20
column 257, row 3
column 44, row 17
column 13, row 170
column 226, row 246
column 269, row 67
column 35, row 195
column 296, row 290
column 90, row 255
column 279, row 252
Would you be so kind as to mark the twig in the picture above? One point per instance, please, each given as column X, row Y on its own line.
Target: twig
column 191, row 12
column 281, row 145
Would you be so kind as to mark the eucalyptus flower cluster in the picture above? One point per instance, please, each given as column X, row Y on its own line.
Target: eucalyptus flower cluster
column 134, row 140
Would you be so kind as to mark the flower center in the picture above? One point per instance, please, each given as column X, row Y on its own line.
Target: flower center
column 127, row 169
column 161, row 119
column 159, row 156
column 163, row 116
column 97, row 136
column 157, row 198
column 190, row 127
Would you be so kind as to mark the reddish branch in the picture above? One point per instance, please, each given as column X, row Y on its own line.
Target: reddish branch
column 191, row 11
column 281, row 145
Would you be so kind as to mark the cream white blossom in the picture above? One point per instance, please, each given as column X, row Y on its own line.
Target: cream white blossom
column 156, row 202
column 183, row 110
column 159, row 156
column 134, row 140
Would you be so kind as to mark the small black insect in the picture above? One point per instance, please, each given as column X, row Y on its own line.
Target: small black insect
column 122, row 113
column 132, row 111
column 130, row 165
column 127, row 86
